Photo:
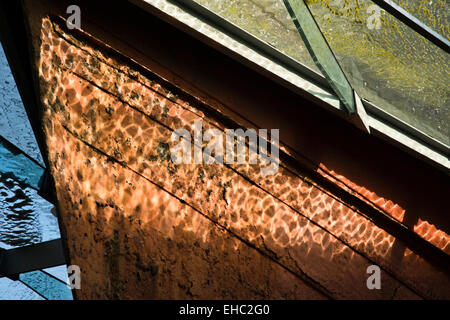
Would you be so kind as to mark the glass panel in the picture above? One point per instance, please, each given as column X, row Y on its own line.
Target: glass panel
column 320, row 51
column 388, row 63
column 25, row 217
column 16, row 290
column 14, row 163
column 268, row 20
column 14, row 124
column 434, row 13
column 59, row 272
column 19, row 221
column 46, row 285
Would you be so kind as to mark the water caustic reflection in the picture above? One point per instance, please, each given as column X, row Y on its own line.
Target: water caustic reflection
column 19, row 223
column 108, row 129
column 426, row 230
column 141, row 216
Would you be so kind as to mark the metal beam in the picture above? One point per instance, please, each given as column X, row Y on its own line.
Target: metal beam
column 404, row 16
column 31, row 258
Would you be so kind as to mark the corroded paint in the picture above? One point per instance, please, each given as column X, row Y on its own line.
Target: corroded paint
column 141, row 227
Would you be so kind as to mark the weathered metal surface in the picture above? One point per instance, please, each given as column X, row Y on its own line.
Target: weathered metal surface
column 141, row 227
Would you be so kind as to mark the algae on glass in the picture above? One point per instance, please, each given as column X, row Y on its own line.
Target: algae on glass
column 390, row 64
column 268, row 20
column 434, row 13
column 385, row 61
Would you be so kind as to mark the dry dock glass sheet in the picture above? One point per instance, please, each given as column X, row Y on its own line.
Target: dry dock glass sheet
column 388, row 63
column 385, row 61
column 434, row 13
column 268, row 20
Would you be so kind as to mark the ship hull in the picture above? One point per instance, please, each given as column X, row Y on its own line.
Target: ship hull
column 141, row 226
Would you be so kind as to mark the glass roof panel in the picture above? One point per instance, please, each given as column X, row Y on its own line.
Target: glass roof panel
column 388, row 63
column 16, row 290
column 268, row 20
column 14, row 123
column 434, row 13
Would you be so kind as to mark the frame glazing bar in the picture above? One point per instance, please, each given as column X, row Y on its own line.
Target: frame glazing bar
column 321, row 52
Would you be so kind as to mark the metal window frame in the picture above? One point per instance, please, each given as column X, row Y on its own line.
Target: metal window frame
column 26, row 263
column 232, row 40
column 31, row 258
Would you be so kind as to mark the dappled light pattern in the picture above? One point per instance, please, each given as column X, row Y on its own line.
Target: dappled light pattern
column 426, row 230
column 388, row 206
column 200, row 231
column 437, row 237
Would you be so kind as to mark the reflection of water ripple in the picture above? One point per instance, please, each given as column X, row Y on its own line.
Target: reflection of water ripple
column 22, row 215
column 25, row 217
column 19, row 223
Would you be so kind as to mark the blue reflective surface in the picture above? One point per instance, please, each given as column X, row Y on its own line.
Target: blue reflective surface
column 14, row 124
column 46, row 285
column 25, row 217
column 17, row 165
